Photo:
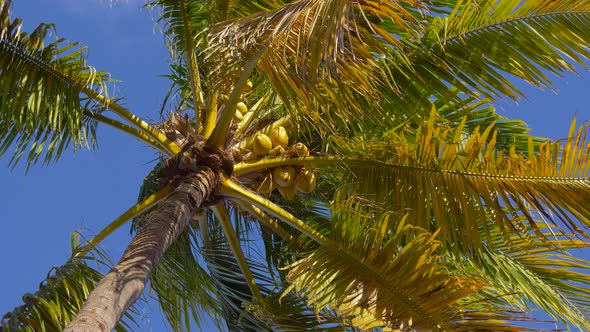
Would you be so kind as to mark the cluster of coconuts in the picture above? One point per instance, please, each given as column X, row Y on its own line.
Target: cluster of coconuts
column 288, row 180
column 242, row 115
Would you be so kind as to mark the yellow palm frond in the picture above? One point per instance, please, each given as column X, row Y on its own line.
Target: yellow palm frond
column 450, row 180
column 386, row 273
column 315, row 52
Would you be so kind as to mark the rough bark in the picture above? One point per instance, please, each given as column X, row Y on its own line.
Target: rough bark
column 123, row 285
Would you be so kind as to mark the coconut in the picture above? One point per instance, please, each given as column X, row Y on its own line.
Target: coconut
column 283, row 176
column 261, row 145
column 238, row 116
column 300, row 150
column 279, row 137
column 242, row 108
column 305, row 182
column 248, row 87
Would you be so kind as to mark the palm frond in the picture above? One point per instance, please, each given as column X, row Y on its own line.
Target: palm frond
column 481, row 114
column 231, row 287
column 447, row 180
column 40, row 89
column 222, row 10
column 183, row 24
column 482, row 45
column 319, row 55
column 386, row 273
column 62, row 294
column 542, row 273
column 241, row 310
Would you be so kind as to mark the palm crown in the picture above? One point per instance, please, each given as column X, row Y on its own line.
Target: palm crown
column 325, row 165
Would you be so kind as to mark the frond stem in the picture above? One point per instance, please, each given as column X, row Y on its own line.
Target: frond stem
column 244, row 167
column 140, row 135
column 234, row 190
column 266, row 220
column 234, row 244
column 132, row 212
column 219, row 134
column 193, row 65
column 135, row 120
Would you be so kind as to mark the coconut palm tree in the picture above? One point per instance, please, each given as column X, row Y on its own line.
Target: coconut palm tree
column 325, row 165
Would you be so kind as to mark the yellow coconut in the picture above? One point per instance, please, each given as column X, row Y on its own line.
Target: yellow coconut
column 242, row 108
column 305, row 182
column 238, row 116
column 279, row 137
column 300, row 150
column 261, row 145
column 283, row 176
column 248, row 87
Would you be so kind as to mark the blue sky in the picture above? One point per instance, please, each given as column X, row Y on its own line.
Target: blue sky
column 40, row 210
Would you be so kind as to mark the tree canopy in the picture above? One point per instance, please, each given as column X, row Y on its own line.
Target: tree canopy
column 326, row 165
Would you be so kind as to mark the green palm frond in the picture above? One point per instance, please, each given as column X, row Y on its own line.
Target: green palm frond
column 231, row 287
column 183, row 23
column 62, row 294
column 481, row 114
column 452, row 106
column 539, row 272
column 319, row 55
column 481, row 44
column 241, row 311
column 449, row 180
column 386, row 273
column 40, row 89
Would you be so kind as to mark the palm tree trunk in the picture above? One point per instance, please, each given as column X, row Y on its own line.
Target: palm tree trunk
column 123, row 285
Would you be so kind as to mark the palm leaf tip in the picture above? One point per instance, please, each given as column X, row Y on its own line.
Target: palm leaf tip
column 480, row 42
column 41, row 85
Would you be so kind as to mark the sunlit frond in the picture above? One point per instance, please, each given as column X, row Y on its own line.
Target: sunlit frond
column 317, row 54
column 542, row 273
column 482, row 45
column 61, row 295
column 40, row 84
column 386, row 273
column 222, row 10
column 481, row 114
column 448, row 180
